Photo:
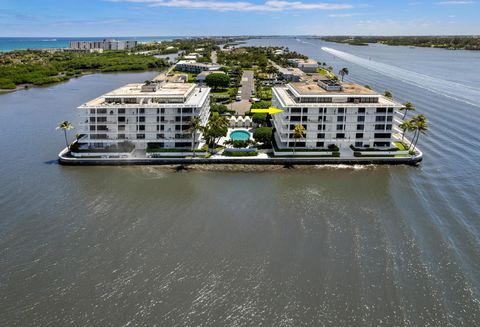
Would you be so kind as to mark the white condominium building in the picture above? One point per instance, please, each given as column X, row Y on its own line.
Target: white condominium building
column 305, row 65
column 153, row 112
column 333, row 113
column 104, row 45
column 195, row 67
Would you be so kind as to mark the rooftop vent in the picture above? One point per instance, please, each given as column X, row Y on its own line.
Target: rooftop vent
column 330, row 85
column 150, row 86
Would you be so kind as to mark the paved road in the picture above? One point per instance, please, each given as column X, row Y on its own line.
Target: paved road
column 248, row 84
column 247, row 87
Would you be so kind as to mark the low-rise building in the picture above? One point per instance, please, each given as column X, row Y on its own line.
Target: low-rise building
column 290, row 74
column 203, row 75
column 155, row 113
column 305, row 65
column 192, row 66
column 333, row 113
column 103, row 44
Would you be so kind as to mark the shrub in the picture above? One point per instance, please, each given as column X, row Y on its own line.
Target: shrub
column 333, row 147
column 5, row 83
column 240, row 153
column 240, row 143
column 259, row 118
column 261, row 105
column 263, row 134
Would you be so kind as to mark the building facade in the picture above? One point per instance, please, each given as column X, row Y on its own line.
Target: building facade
column 192, row 66
column 333, row 113
column 103, row 45
column 305, row 65
column 156, row 113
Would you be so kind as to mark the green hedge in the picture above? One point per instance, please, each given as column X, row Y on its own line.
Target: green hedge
column 372, row 149
column 240, row 153
column 331, row 148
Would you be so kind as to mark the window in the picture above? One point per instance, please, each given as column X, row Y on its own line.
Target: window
column 178, row 118
column 341, row 110
column 320, row 144
column 295, row 118
column 382, row 135
column 381, row 110
column 321, row 127
column 101, row 119
column 361, row 118
column 340, row 118
column 360, row 127
column 141, row 127
column 295, row 110
column 361, row 110
column 121, row 127
column 141, row 136
column 358, row 144
column 339, row 127
column 390, row 110
column 305, row 110
column 92, row 111
column 340, row 135
column 379, row 127
column 142, row 110
column 359, row 135
column 121, row 111
column 92, row 127
column 380, row 118
column 121, row 119
column 321, row 135
column 141, row 119
column 121, row 136
column 389, row 118
column 388, row 127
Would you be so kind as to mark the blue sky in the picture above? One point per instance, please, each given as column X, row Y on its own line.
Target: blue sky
column 236, row 17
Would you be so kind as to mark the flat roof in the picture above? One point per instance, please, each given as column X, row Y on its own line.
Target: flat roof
column 166, row 89
column 305, row 61
column 191, row 94
column 314, row 89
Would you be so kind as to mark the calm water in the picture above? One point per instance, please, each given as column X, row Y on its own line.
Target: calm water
column 21, row 43
column 331, row 246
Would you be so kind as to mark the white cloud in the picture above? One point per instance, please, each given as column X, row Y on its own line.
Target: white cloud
column 455, row 3
column 341, row 15
column 222, row 5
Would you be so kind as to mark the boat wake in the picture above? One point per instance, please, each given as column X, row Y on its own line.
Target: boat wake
column 446, row 88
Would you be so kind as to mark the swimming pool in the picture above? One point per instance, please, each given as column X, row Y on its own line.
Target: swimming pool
column 240, row 136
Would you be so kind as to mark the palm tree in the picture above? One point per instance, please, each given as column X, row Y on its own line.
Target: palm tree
column 298, row 133
column 216, row 128
column 407, row 106
column 193, row 126
column 65, row 126
column 388, row 94
column 421, row 127
column 344, row 71
column 406, row 126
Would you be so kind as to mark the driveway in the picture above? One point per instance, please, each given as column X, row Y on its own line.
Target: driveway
column 247, row 84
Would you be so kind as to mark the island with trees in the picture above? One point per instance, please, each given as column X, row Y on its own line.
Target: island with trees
column 443, row 42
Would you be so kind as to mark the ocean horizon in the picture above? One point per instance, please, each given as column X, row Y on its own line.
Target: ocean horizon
column 23, row 43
